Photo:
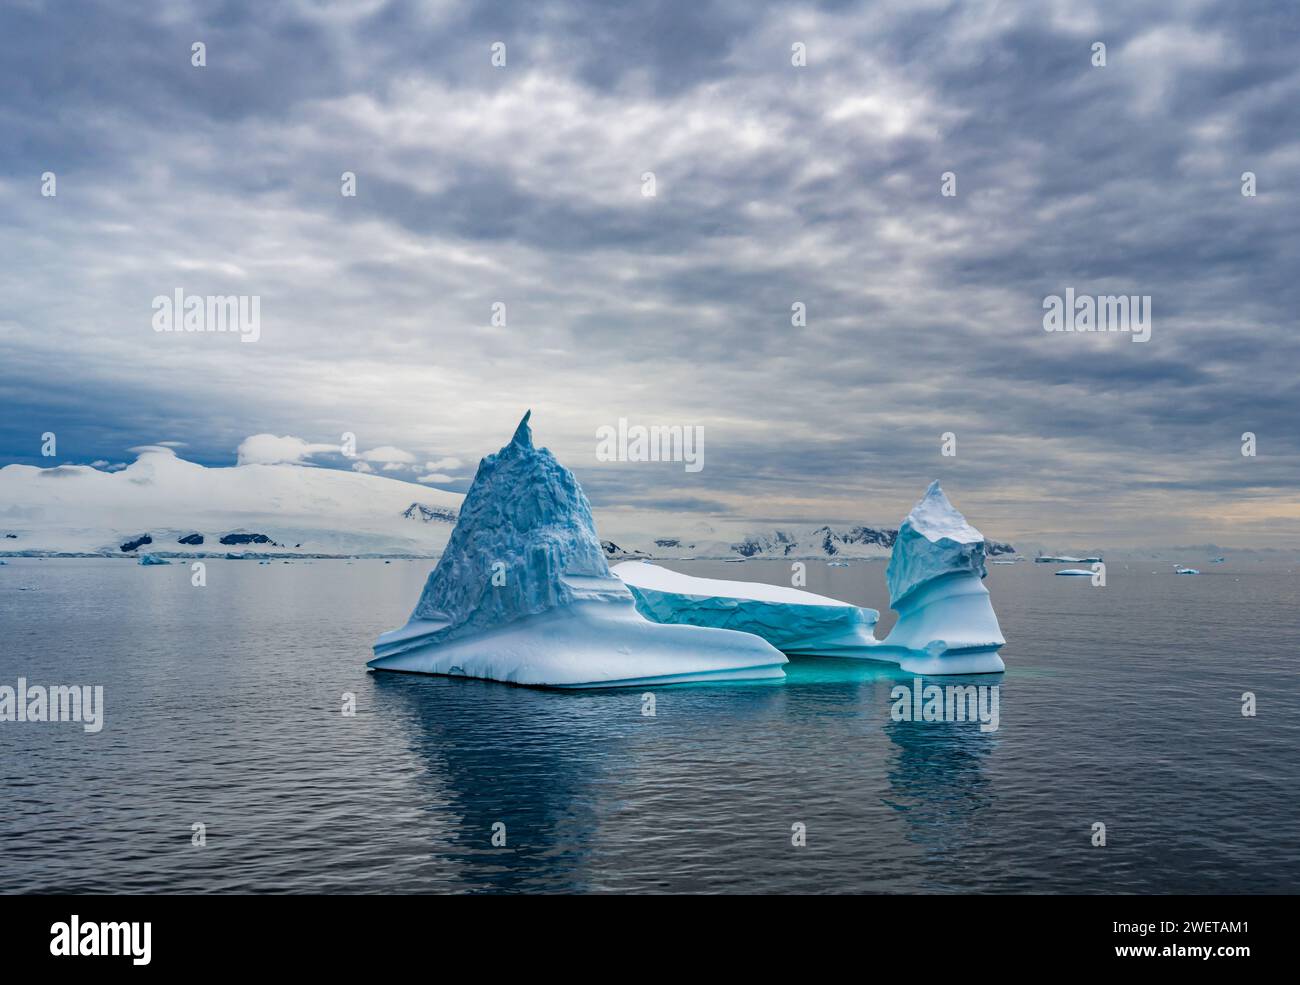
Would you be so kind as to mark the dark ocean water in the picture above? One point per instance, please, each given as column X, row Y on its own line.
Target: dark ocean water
column 1120, row 705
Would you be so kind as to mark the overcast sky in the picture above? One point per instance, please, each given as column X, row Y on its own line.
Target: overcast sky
column 774, row 184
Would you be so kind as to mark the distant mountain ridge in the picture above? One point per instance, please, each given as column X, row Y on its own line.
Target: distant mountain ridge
column 419, row 511
column 792, row 542
column 163, row 504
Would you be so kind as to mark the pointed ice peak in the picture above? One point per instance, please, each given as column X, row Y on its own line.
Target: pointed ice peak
column 523, row 434
column 935, row 541
column 936, row 518
column 524, row 542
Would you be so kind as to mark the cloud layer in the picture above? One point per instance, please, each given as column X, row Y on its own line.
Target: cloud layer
column 500, row 254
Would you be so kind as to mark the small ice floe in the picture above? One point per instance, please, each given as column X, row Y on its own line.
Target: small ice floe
column 1075, row 573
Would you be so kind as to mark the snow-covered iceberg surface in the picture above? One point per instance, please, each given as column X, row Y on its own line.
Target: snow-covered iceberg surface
column 793, row 621
column 946, row 623
column 523, row 594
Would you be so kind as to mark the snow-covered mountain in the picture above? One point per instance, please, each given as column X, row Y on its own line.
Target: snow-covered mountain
column 163, row 504
column 430, row 514
column 807, row 542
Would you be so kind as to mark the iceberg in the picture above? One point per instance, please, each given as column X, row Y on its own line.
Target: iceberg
column 147, row 559
column 946, row 623
column 523, row 594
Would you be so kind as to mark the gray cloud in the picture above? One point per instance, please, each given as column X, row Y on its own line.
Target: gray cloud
column 775, row 184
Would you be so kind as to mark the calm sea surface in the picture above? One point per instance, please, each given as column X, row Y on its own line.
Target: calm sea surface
column 1120, row 705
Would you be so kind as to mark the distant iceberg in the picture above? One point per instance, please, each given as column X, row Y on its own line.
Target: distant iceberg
column 946, row 622
column 147, row 559
column 523, row 594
